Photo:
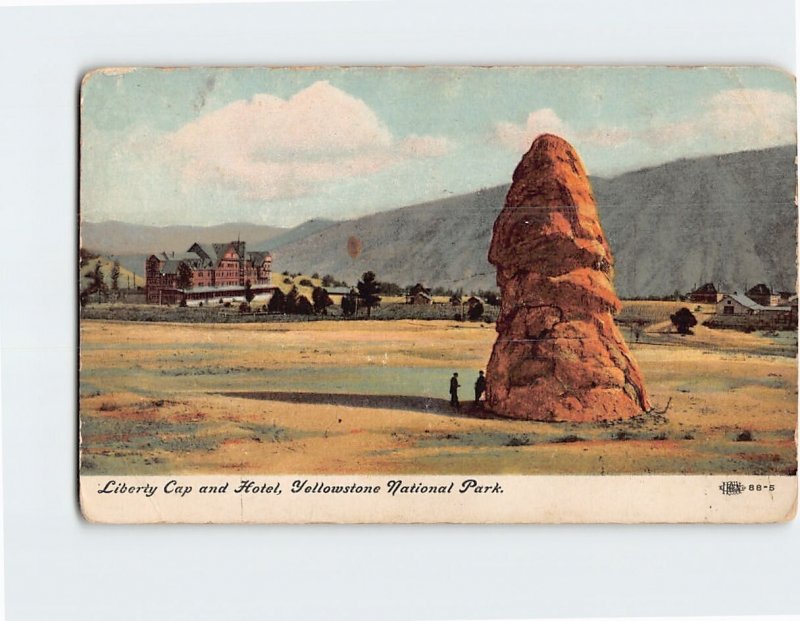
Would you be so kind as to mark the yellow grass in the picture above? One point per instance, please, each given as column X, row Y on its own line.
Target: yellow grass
column 371, row 397
column 279, row 280
column 106, row 265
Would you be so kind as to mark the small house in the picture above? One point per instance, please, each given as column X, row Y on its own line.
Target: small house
column 737, row 304
column 419, row 288
column 337, row 290
column 419, row 294
column 419, row 298
column 762, row 294
column 705, row 294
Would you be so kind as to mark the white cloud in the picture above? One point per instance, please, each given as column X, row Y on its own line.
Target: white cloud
column 737, row 118
column 519, row 137
column 269, row 147
column 731, row 120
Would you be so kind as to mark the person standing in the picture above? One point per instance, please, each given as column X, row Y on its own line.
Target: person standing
column 480, row 386
column 454, row 386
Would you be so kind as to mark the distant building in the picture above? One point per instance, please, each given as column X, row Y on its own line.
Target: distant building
column 419, row 294
column 337, row 290
column 737, row 304
column 419, row 298
column 705, row 294
column 762, row 294
column 207, row 271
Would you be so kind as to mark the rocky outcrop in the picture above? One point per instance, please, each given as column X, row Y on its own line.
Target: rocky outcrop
column 558, row 354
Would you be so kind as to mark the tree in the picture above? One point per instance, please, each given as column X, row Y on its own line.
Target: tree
column 97, row 283
column 321, row 300
column 455, row 300
column 115, row 277
column 248, row 292
column 475, row 311
column 349, row 304
column 327, row 280
column 277, row 303
column 303, row 306
column 683, row 320
column 184, row 276
column 368, row 290
column 291, row 301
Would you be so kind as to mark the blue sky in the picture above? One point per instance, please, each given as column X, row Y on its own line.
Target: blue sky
column 280, row 146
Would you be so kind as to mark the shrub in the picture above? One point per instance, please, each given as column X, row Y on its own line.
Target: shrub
column 182, row 303
column 348, row 305
column 567, row 439
column 683, row 320
column 475, row 311
column 745, row 436
column 306, row 283
column 244, row 307
column 518, row 441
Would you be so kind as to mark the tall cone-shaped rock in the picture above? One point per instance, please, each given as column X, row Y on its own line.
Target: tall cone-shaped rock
column 558, row 354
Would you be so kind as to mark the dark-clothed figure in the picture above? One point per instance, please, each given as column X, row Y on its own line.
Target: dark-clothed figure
column 454, row 386
column 480, row 386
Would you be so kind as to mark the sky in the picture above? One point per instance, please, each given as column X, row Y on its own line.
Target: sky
column 280, row 146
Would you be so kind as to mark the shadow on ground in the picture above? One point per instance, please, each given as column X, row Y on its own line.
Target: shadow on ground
column 378, row 402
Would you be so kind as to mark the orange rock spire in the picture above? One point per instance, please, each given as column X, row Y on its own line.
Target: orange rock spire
column 558, row 354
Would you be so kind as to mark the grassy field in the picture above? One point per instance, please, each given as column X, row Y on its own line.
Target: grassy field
column 371, row 397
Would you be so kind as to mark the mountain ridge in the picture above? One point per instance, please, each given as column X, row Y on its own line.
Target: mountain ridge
column 729, row 219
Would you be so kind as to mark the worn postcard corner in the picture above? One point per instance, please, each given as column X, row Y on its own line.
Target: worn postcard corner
column 439, row 294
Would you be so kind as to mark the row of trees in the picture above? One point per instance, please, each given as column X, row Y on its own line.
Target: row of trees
column 293, row 303
column 393, row 289
column 364, row 295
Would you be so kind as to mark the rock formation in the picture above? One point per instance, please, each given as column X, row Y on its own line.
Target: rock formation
column 558, row 354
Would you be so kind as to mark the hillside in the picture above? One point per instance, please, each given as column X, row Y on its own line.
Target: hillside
column 287, row 236
column 442, row 243
column 730, row 219
column 120, row 238
column 127, row 278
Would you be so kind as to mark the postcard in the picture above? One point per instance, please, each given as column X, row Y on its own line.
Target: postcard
column 438, row 294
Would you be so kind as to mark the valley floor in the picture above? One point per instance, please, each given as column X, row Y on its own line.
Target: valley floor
column 372, row 397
